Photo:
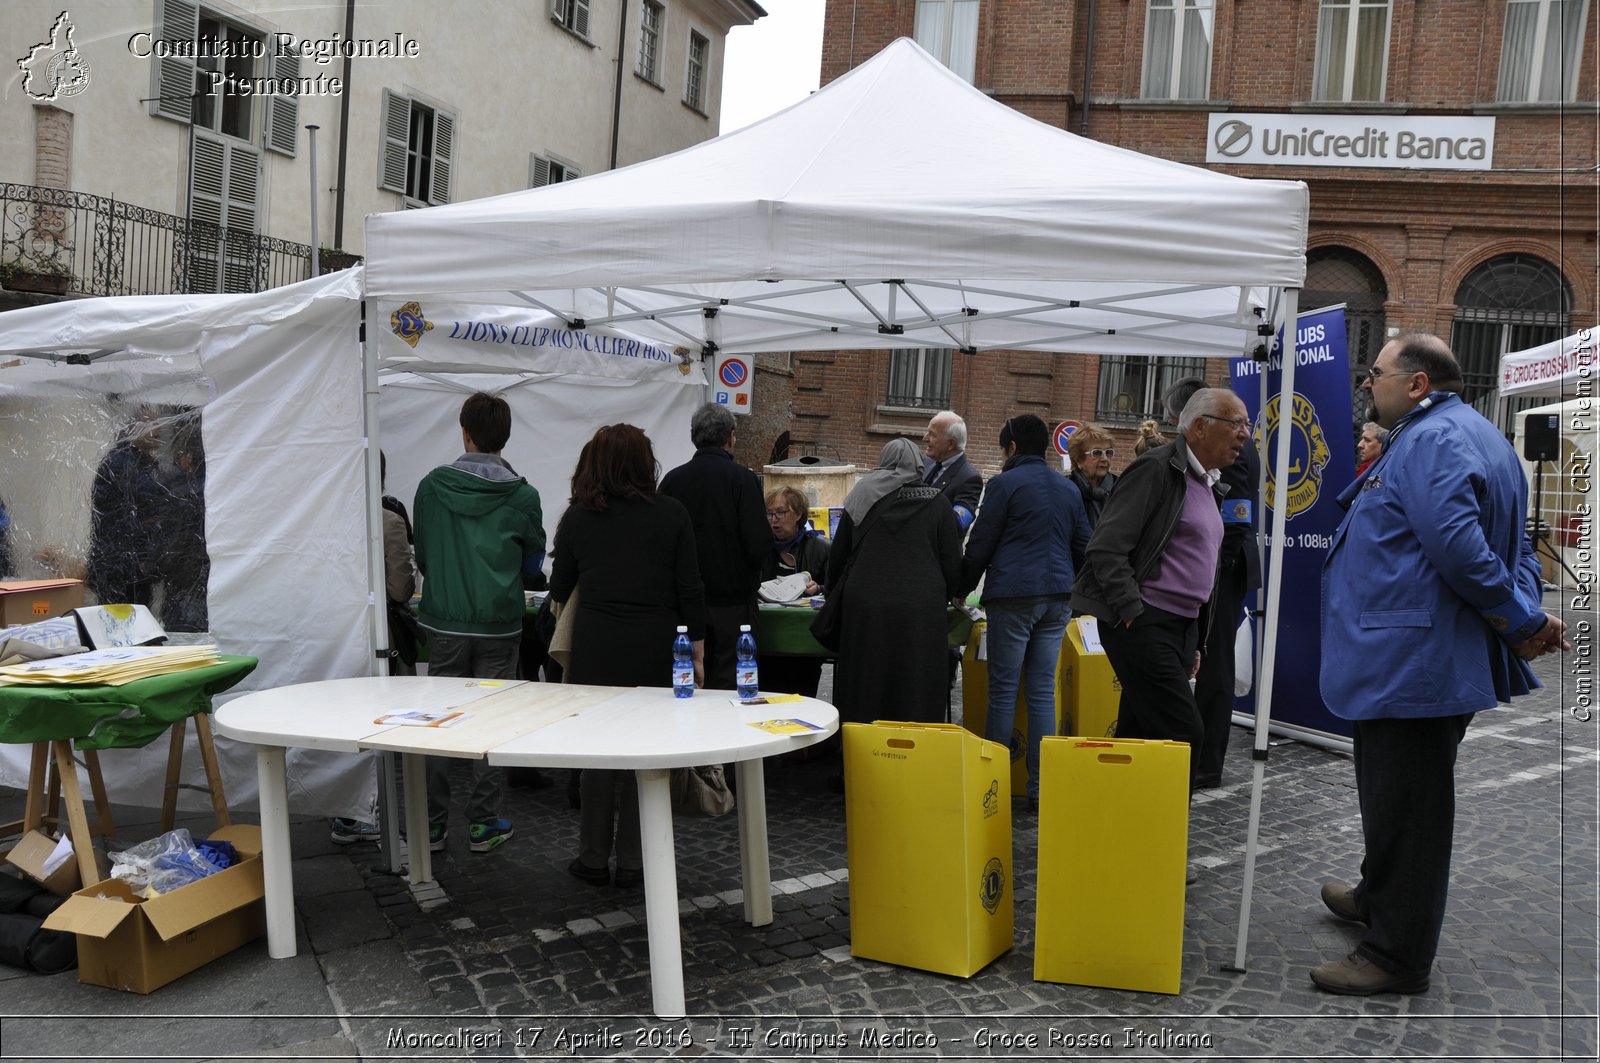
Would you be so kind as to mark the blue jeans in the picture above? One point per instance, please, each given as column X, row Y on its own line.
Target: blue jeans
column 1024, row 646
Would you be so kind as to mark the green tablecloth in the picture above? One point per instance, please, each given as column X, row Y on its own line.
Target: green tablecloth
column 121, row 717
column 785, row 630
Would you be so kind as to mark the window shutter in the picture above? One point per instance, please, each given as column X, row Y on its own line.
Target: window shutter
column 558, row 11
column 396, row 137
column 580, row 17
column 241, row 250
column 208, row 182
column 538, row 171
column 444, row 139
column 283, row 112
column 172, row 79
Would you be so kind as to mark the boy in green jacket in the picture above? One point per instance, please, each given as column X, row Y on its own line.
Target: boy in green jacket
column 479, row 542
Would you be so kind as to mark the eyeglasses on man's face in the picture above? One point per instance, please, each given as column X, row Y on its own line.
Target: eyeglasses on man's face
column 1375, row 373
column 1238, row 424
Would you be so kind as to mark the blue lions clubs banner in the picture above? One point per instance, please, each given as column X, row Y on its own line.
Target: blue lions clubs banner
column 1321, row 463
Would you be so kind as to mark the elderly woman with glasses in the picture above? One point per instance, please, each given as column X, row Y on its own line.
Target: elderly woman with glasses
column 795, row 547
column 1091, row 453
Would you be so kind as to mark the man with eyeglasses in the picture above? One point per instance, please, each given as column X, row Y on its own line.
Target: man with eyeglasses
column 1430, row 612
column 1238, row 573
column 1151, row 565
column 946, row 466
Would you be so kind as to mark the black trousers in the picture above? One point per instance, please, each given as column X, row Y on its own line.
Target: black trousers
column 1405, row 778
column 722, row 637
column 1152, row 660
column 1213, row 687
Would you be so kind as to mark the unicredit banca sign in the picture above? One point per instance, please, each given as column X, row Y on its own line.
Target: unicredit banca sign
column 1453, row 143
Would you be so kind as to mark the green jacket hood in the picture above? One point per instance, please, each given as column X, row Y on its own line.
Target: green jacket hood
column 476, row 484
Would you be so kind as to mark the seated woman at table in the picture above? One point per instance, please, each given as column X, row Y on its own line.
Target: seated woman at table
column 795, row 548
column 897, row 557
column 628, row 553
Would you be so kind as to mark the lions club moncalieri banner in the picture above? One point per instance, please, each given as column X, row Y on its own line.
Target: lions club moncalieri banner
column 1321, row 463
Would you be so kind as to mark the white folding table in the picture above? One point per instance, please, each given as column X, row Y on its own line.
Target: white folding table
column 645, row 730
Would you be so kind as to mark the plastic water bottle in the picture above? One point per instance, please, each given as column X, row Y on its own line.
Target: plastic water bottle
column 746, row 678
column 682, row 665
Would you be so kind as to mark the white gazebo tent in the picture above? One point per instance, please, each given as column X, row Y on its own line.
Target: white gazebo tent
column 896, row 207
column 1564, row 371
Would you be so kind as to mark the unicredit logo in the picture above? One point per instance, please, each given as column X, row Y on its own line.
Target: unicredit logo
column 1233, row 138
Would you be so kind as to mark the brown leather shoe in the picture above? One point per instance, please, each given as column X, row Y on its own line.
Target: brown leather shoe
column 1357, row 976
column 1341, row 901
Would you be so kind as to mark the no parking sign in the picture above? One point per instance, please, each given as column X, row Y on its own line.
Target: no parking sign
column 731, row 380
column 1063, row 435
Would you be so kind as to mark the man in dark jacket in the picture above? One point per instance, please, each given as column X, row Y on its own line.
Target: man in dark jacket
column 946, row 466
column 479, row 540
column 1238, row 573
column 1029, row 538
column 730, row 532
column 1150, row 569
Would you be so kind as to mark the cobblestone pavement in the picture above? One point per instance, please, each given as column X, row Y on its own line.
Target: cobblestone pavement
column 523, row 961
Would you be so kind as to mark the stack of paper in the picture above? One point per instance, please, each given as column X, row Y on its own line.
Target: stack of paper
column 111, row 667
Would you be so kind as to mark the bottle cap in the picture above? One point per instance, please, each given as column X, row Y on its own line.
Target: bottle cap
column 683, row 629
column 744, row 627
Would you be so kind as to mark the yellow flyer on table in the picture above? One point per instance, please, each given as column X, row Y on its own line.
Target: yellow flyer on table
column 785, row 727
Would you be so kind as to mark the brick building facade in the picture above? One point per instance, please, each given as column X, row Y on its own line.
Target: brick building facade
column 1496, row 255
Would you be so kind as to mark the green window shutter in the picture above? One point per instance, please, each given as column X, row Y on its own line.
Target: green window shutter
column 396, row 137
column 172, row 79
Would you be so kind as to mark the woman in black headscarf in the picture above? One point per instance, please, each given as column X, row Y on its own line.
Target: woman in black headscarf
column 897, row 557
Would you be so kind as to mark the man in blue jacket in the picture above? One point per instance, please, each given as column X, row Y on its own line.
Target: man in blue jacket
column 1430, row 611
column 1029, row 537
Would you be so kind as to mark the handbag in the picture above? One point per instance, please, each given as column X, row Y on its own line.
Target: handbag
column 405, row 634
column 701, row 791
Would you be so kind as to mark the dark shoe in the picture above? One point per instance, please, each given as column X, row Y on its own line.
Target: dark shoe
column 1208, row 782
column 628, row 877
column 437, row 833
column 1191, row 875
column 1341, row 901
column 343, row 831
column 489, row 835
column 594, row 876
column 1357, row 976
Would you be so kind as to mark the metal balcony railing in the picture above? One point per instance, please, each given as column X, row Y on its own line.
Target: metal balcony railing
column 107, row 247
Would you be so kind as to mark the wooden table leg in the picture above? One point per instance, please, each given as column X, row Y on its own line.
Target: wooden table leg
column 75, row 816
column 38, row 769
column 208, row 757
column 97, row 786
column 169, row 796
column 661, row 893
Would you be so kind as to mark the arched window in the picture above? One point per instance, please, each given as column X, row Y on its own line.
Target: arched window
column 1340, row 275
column 1509, row 303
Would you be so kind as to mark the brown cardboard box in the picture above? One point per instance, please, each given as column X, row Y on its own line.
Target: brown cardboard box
column 141, row 945
column 28, row 601
column 30, row 853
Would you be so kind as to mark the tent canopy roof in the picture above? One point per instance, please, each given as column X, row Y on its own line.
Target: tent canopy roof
column 897, row 206
column 1552, row 368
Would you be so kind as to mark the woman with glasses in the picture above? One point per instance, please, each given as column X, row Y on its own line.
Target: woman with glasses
column 1091, row 453
column 795, row 547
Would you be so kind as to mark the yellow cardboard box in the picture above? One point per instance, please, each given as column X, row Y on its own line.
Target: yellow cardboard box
column 1087, row 691
column 126, row 942
column 1111, row 890
column 929, row 836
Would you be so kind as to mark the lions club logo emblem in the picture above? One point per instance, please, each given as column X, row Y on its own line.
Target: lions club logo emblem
column 1308, row 452
column 992, row 885
column 682, row 355
column 409, row 324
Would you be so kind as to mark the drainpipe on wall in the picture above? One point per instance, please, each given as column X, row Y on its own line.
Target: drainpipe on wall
column 616, row 101
column 344, row 128
column 1088, row 70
